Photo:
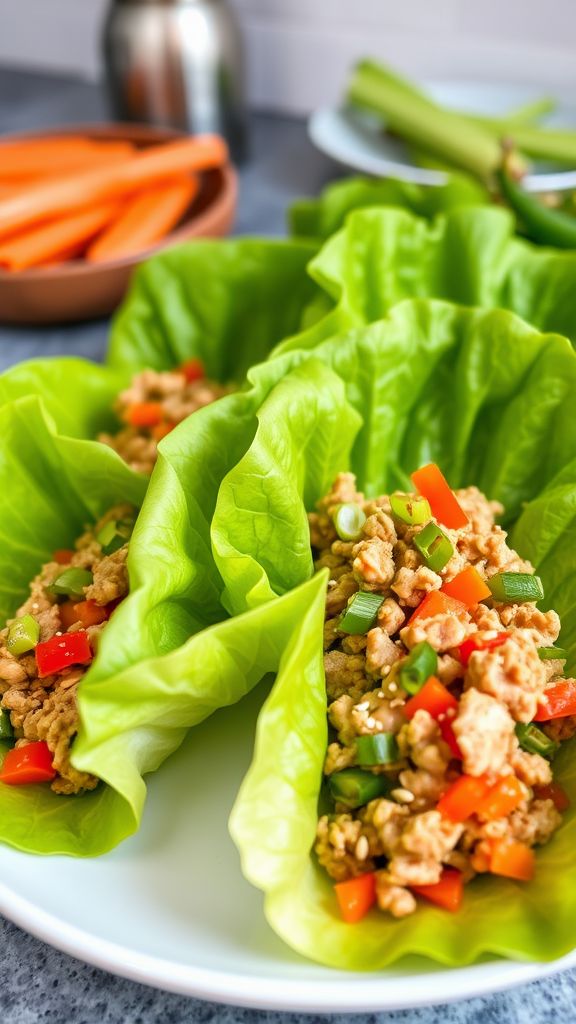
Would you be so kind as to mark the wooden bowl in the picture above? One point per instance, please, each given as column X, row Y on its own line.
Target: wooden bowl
column 83, row 291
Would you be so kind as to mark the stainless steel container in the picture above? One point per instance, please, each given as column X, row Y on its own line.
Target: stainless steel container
column 177, row 63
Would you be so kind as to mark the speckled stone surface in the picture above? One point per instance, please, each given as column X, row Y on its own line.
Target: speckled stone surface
column 39, row 985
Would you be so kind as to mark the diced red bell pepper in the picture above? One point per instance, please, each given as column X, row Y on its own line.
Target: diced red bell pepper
column 447, row 893
column 432, row 484
column 193, row 369
column 437, row 603
column 554, row 792
column 356, row 897
column 25, row 765
column 467, row 587
column 162, row 430
column 463, row 797
column 144, row 414
column 63, row 556
column 60, row 652
column 477, row 642
column 560, row 701
column 434, row 698
column 449, row 737
column 503, row 798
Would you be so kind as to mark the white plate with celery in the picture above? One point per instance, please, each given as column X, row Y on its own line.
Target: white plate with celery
column 392, row 128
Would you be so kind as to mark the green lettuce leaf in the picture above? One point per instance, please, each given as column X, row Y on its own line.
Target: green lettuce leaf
column 489, row 399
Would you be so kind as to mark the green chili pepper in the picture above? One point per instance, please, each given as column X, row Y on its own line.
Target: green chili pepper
column 411, row 509
column 114, row 535
column 416, row 669
column 532, row 739
column 71, row 582
column 349, row 520
column 434, row 546
column 552, row 653
column 516, row 587
column 379, row 749
column 7, row 732
column 361, row 613
column 23, row 635
column 541, row 223
column 354, row 787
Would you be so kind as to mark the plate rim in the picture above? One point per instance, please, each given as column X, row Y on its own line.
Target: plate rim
column 369, row 992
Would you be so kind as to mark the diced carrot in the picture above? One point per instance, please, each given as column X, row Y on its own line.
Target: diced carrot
column 50, row 241
column 193, row 369
column 477, row 642
column 554, row 792
column 144, row 414
column 463, row 797
column 432, row 484
column 437, row 603
column 162, row 430
column 503, row 798
column 25, row 765
column 145, row 169
column 68, row 614
column 63, row 556
column 467, row 587
column 434, row 698
column 356, row 896
column 512, row 860
column 89, row 613
column 145, row 220
column 447, row 893
column 560, row 701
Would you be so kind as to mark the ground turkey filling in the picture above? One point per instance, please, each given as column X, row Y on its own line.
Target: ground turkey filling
column 153, row 405
column 45, row 709
column 402, row 836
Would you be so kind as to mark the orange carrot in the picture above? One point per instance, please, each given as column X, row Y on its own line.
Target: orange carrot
column 432, row 484
column 356, row 896
column 162, row 430
column 512, row 859
column 50, row 241
column 447, row 893
column 463, row 797
column 433, row 698
column 146, row 219
column 192, row 369
column 554, row 792
column 24, row 160
column 144, row 414
column 90, row 614
column 503, row 798
column 63, row 556
column 467, row 587
column 144, row 170
column 437, row 603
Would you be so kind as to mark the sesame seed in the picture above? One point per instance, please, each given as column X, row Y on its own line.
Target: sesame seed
column 402, row 796
column 362, row 848
column 371, row 722
column 393, row 687
column 363, row 706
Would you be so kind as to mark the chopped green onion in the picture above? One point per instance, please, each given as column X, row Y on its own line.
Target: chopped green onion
column 114, row 535
column 552, row 653
column 416, row 669
column 434, row 546
column 361, row 613
column 516, row 586
column 349, row 520
column 379, row 749
column 71, row 582
column 23, row 635
column 7, row 732
column 532, row 739
column 411, row 509
column 354, row 787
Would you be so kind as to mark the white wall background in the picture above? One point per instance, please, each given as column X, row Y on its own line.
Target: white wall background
column 299, row 50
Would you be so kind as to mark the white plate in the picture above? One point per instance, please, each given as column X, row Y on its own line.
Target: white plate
column 358, row 141
column 170, row 907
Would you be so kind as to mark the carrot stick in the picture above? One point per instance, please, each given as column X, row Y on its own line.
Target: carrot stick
column 50, row 241
column 145, row 219
column 144, row 170
column 28, row 159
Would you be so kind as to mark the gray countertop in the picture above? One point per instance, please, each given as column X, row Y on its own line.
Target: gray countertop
column 37, row 982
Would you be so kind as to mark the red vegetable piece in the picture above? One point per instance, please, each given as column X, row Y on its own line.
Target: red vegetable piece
column 554, row 792
column 477, row 643
column 560, row 701
column 432, row 484
column 356, row 896
column 193, row 369
column 502, row 798
column 434, row 698
column 467, row 587
column 90, row 614
column 144, row 414
column 463, row 797
column 63, row 556
column 25, row 765
column 60, row 652
column 437, row 603
column 447, row 893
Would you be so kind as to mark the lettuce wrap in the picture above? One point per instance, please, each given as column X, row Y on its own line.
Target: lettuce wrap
column 489, row 399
